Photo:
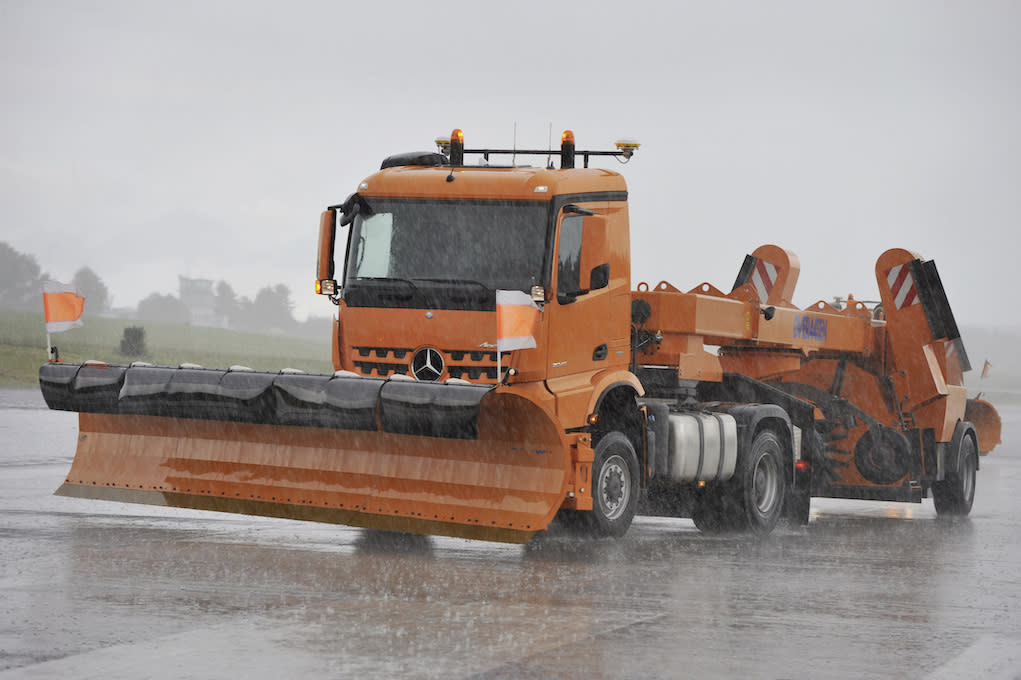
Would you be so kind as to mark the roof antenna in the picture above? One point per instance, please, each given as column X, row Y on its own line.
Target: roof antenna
column 514, row 156
column 549, row 148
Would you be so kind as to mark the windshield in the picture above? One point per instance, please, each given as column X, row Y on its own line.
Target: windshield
column 448, row 254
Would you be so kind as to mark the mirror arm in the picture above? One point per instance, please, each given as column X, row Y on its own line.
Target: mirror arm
column 572, row 295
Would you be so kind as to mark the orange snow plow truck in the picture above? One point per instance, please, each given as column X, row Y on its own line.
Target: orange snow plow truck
column 495, row 370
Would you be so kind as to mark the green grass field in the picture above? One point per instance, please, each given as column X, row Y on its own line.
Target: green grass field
column 23, row 346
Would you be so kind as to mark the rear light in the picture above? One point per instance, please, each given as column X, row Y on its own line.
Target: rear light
column 802, row 465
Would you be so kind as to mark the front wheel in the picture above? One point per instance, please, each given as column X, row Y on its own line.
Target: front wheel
column 615, row 479
column 954, row 496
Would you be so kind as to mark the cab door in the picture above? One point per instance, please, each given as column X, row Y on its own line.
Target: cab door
column 583, row 334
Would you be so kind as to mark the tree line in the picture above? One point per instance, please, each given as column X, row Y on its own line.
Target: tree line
column 21, row 282
column 272, row 308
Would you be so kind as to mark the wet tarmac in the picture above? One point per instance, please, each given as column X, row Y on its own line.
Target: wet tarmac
column 93, row 589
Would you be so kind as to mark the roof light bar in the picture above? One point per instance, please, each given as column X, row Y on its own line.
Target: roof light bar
column 455, row 151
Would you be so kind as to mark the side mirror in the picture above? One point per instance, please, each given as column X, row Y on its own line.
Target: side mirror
column 599, row 277
column 325, row 283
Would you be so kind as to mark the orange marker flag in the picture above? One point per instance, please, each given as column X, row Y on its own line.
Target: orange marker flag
column 516, row 316
column 985, row 368
column 63, row 306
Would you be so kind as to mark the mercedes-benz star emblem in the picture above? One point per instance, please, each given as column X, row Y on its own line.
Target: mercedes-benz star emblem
column 427, row 364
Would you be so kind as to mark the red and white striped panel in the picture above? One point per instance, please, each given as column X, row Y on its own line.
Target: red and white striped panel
column 764, row 278
column 902, row 286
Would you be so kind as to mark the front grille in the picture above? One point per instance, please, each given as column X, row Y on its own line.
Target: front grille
column 472, row 372
column 473, row 365
column 382, row 352
column 467, row 364
column 380, row 369
column 374, row 367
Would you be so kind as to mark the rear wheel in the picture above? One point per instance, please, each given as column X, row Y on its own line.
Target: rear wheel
column 753, row 500
column 615, row 479
column 954, row 495
column 762, row 484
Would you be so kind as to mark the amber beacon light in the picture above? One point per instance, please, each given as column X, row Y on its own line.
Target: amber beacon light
column 567, row 150
column 457, row 147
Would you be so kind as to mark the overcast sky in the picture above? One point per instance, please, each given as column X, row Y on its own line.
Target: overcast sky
column 147, row 140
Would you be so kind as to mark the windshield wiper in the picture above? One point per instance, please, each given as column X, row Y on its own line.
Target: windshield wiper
column 384, row 280
column 387, row 285
column 466, row 283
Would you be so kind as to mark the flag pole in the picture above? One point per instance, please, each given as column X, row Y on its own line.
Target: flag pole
column 49, row 348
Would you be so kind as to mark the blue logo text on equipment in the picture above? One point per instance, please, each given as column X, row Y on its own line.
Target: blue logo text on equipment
column 809, row 328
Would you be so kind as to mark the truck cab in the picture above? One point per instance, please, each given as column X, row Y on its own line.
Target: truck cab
column 429, row 243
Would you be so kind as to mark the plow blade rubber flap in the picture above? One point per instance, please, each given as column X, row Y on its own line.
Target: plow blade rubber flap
column 455, row 460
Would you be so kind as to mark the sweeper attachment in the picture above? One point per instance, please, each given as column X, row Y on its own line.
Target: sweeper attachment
column 439, row 458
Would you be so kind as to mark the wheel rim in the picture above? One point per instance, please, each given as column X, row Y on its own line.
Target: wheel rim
column 766, row 484
column 614, row 490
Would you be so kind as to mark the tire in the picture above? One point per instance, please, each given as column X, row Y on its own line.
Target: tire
column 761, row 485
column 615, row 480
column 886, row 463
column 954, row 496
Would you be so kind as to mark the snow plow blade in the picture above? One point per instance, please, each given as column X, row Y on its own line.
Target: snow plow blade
column 400, row 455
